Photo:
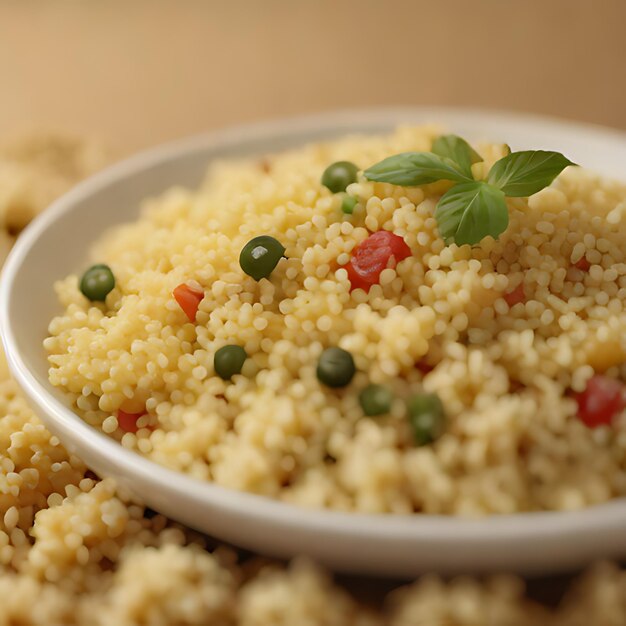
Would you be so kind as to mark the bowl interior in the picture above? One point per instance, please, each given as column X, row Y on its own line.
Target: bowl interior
column 57, row 243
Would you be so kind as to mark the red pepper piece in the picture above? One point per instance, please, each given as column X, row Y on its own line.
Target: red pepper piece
column 188, row 299
column 601, row 401
column 516, row 296
column 583, row 264
column 424, row 368
column 379, row 251
column 128, row 421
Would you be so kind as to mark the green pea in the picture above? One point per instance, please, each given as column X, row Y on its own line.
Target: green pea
column 97, row 282
column 348, row 203
column 337, row 176
column 229, row 360
column 335, row 367
column 376, row 400
column 427, row 418
column 260, row 256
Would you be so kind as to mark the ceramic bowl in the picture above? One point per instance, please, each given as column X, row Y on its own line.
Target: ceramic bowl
column 57, row 243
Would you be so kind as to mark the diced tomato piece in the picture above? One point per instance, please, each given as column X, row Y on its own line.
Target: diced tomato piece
column 379, row 251
column 128, row 421
column 188, row 299
column 583, row 264
column 516, row 296
column 602, row 400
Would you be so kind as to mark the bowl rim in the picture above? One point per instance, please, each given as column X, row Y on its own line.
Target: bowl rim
column 456, row 530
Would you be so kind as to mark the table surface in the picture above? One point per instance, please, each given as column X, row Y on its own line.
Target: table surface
column 136, row 74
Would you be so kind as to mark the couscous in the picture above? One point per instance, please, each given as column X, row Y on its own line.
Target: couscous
column 74, row 551
column 349, row 325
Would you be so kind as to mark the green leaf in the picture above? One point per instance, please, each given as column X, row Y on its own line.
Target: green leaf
column 410, row 169
column 522, row 174
column 458, row 150
column 469, row 212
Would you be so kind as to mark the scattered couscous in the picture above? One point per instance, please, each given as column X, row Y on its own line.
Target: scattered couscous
column 75, row 552
column 258, row 334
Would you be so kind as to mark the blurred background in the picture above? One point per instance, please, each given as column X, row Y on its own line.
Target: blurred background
column 133, row 74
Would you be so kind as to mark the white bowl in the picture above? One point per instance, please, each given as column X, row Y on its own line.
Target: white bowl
column 56, row 243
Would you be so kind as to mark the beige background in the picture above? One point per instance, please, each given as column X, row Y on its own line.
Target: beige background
column 136, row 73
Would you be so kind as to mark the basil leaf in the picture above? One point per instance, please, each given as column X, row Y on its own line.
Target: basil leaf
column 410, row 169
column 469, row 212
column 522, row 174
column 455, row 148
